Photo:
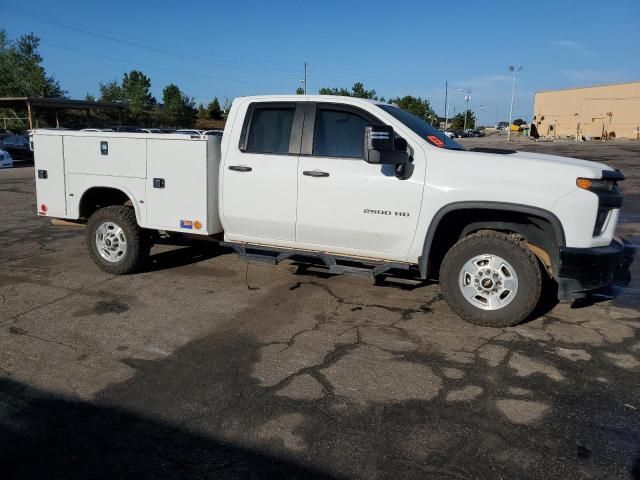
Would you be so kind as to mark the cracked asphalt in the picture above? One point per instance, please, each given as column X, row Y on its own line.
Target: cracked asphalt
column 207, row 367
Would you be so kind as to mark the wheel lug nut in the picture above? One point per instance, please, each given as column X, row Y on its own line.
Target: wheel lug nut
column 487, row 271
column 495, row 275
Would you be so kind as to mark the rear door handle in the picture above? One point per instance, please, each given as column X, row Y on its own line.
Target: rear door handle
column 240, row 168
column 315, row 173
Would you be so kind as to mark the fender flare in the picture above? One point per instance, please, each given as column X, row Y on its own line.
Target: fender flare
column 423, row 260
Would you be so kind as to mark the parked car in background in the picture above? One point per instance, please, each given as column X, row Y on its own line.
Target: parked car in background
column 215, row 131
column 97, row 130
column 460, row 134
column 5, row 159
column 168, row 130
column 125, row 128
column 150, row 130
column 476, row 133
column 17, row 146
column 5, row 133
column 189, row 131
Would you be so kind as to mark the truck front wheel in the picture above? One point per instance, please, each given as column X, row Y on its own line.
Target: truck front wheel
column 491, row 279
column 116, row 243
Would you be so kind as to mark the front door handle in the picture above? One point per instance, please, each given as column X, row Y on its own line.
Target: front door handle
column 240, row 168
column 315, row 173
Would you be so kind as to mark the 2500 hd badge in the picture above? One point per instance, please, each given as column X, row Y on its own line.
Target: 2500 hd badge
column 386, row 212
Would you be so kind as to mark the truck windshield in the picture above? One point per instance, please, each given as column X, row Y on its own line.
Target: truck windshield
column 430, row 133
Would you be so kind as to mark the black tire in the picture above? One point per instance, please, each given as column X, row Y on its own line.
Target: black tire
column 509, row 248
column 138, row 243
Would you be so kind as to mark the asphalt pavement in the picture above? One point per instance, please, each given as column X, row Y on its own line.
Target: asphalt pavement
column 205, row 366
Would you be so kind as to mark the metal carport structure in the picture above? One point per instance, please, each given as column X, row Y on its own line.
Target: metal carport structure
column 56, row 104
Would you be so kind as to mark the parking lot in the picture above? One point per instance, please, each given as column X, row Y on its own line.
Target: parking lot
column 208, row 367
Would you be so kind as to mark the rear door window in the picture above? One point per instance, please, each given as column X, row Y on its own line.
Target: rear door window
column 270, row 129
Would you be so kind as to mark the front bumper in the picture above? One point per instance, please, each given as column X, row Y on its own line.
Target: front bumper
column 585, row 269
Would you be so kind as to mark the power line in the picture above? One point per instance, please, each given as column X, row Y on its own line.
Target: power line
column 182, row 53
column 157, row 67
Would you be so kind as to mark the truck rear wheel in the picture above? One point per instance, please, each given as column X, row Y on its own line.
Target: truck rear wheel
column 491, row 279
column 116, row 243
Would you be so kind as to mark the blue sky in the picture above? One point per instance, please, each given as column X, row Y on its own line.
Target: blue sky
column 227, row 49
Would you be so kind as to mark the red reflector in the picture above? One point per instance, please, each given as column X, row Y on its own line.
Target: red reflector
column 43, row 208
column 435, row 141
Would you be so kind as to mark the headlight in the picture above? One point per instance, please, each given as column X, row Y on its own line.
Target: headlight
column 593, row 184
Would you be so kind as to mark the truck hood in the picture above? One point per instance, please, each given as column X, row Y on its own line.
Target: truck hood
column 522, row 177
column 584, row 168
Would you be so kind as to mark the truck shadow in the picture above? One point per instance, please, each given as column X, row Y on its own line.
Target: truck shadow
column 186, row 253
column 49, row 436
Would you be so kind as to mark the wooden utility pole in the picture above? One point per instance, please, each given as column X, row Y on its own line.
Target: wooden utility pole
column 29, row 114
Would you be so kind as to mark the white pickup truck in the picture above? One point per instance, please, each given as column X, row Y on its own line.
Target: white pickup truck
column 361, row 186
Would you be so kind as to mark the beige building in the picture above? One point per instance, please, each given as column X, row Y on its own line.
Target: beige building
column 602, row 111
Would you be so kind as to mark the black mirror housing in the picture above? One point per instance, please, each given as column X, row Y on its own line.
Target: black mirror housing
column 380, row 146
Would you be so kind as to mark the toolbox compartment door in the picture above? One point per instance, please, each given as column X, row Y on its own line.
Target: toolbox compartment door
column 50, row 175
column 176, row 185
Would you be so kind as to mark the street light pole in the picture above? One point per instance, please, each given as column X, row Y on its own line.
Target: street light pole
column 467, row 97
column 305, row 78
column 515, row 69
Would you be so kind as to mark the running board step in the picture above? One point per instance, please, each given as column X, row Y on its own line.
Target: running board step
column 274, row 257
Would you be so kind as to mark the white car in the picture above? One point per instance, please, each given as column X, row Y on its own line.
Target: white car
column 5, row 159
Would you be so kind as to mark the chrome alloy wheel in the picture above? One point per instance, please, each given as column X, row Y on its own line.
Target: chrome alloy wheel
column 111, row 242
column 488, row 282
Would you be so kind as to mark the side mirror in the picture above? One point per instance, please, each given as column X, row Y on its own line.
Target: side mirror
column 381, row 148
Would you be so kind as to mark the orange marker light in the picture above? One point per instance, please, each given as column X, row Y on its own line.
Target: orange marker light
column 584, row 183
column 197, row 225
column 435, row 141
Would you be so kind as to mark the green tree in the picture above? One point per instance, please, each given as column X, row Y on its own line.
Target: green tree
column 136, row 90
column 357, row 90
column 299, row 91
column 519, row 122
column 457, row 122
column 111, row 92
column 21, row 70
column 202, row 114
column 213, row 109
column 343, row 92
column 179, row 108
column 418, row 106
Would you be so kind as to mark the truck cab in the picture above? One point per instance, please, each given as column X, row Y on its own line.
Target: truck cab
column 349, row 181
